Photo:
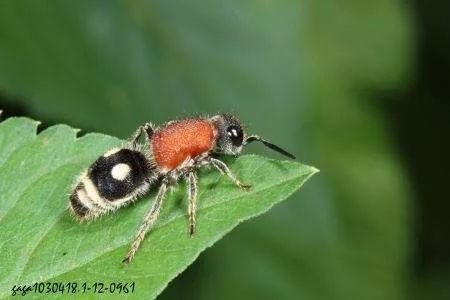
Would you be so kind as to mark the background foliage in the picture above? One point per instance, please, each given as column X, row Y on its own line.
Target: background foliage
column 312, row 76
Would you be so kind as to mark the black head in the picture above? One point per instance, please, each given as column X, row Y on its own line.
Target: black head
column 231, row 137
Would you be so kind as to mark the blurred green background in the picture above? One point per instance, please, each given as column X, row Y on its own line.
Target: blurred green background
column 358, row 89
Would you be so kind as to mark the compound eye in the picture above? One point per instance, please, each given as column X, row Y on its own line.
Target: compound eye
column 236, row 135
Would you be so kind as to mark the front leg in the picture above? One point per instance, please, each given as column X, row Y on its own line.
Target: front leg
column 223, row 169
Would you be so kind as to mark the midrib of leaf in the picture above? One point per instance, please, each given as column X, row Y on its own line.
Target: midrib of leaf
column 31, row 277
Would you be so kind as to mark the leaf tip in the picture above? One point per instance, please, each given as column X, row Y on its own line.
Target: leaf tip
column 314, row 170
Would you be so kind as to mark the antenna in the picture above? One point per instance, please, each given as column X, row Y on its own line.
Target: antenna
column 268, row 144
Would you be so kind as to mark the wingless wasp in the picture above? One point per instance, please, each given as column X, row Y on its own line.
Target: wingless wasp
column 175, row 150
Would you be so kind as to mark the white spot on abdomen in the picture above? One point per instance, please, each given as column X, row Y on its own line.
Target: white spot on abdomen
column 120, row 171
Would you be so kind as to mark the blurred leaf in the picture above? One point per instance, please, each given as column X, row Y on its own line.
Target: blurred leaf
column 35, row 182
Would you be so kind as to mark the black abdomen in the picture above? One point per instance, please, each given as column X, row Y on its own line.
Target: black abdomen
column 119, row 174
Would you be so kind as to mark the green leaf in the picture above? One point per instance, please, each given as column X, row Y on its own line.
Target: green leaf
column 40, row 241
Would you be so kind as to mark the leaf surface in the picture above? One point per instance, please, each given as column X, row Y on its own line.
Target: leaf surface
column 39, row 240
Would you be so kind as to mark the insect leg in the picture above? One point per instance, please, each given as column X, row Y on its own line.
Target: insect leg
column 223, row 168
column 146, row 128
column 149, row 219
column 192, row 189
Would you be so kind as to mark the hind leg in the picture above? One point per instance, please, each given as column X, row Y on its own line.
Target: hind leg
column 150, row 218
column 146, row 128
column 192, row 188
